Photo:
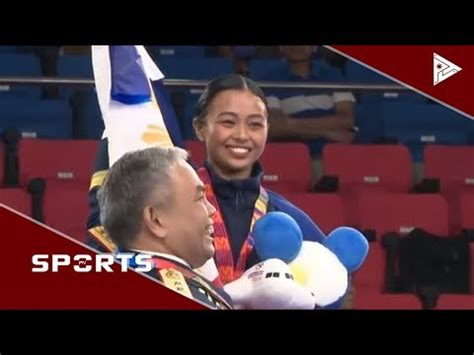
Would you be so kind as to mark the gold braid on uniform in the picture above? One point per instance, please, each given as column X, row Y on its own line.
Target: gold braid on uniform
column 98, row 232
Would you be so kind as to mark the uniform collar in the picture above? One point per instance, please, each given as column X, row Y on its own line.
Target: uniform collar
column 251, row 183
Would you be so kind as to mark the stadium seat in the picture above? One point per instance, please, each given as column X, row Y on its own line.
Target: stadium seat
column 392, row 96
column 191, row 98
column 37, row 118
column 79, row 66
column 471, row 253
column 16, row 198
column 291, row 172
column 8, row 49
column 325, row 210
column 66, row 167
column 67, row 160
column 178, row 51
column 358, row 73
column 368, row 167
column 401, row 213
column 20, row 64
column 197, row 151
column 194, row 68
column 65, row 206
column 455, row 302
column 286, row 167
column 454, row 168
column 74, row 66
column 379, row 301
column 467, row 211
column 368, row 118
column 424, row 123
column 383, row 213
column 2, row 164
column 260, row 68
column 371, row 276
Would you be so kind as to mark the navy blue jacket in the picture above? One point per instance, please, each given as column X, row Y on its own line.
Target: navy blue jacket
column 237, row 199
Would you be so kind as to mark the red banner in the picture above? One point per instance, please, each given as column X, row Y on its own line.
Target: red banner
column 21, row 288
column 443, row 73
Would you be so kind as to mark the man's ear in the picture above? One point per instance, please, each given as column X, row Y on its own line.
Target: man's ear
column 153, row 221
column 199, row 128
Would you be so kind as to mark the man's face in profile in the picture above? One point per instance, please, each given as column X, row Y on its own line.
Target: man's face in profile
column 188, row 217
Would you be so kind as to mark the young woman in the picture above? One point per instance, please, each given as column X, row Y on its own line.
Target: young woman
column 231, row 118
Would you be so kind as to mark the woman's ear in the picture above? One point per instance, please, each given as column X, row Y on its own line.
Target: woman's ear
column 199, row 128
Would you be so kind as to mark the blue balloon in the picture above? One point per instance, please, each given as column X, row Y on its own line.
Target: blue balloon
column 277, row 235
column 349, row 245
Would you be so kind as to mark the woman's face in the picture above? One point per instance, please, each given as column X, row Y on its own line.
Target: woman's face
column 235, row 132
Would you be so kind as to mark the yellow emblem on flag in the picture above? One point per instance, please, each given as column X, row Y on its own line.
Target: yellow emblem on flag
column 156, row 135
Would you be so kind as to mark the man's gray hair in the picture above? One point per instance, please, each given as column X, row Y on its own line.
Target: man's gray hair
column 128, row 186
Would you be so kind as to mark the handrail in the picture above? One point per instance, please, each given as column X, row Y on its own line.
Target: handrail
column 8, row 80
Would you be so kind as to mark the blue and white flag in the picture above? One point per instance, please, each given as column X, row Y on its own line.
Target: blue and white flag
column 136, row 111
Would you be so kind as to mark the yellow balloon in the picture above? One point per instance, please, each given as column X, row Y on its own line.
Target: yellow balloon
column 299, row 273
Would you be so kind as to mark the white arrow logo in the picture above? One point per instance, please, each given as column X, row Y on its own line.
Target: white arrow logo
column 443, row 69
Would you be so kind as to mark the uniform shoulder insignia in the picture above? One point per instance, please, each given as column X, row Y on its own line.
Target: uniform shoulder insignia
column 176, row 281
column 97, row 179
column 101, row 236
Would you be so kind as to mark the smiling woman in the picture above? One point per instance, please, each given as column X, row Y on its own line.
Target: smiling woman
column 231, row 118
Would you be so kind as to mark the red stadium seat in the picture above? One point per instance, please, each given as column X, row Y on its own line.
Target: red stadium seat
column 197, row 151
column 67, row 167
column 467, row 211
column 371, row 276
column 2, row 162
column 455, row 301
column 367, row 168
column 393, row 212
column 454, row 167
column 16, row 198
column 56, row 159
column 325, row 210
column 379, row 301
column 372, row 167
column 471, row 247
column 65, row 207
column 287, row 167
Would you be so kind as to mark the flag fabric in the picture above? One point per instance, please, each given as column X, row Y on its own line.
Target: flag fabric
column 130, row 93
